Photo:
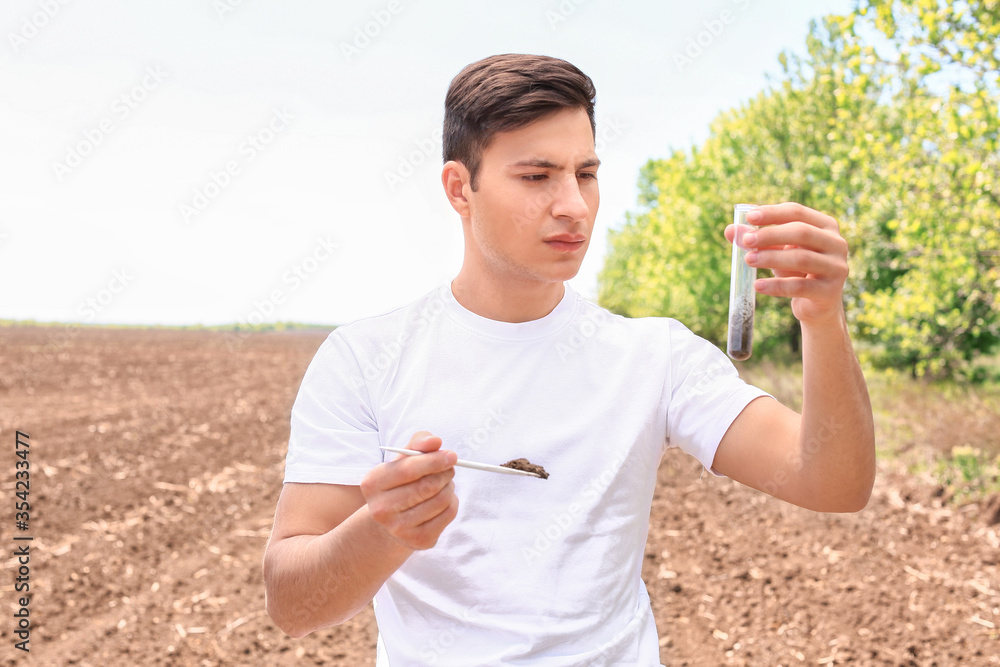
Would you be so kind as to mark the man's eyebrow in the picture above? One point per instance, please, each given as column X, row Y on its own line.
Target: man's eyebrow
column 538, row 162
column 541, row 163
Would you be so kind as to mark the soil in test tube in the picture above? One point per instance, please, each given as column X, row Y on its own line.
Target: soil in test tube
column 527, row 466
column 741, row 293
column 741, row 329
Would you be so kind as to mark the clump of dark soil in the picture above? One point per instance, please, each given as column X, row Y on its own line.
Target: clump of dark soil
column 527, row 466
column 740, row 342
column 992, row 511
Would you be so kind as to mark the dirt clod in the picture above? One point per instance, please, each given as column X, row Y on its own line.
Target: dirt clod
column 527, row 466
column 992, row 511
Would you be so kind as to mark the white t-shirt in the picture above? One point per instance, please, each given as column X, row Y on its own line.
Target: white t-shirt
column 531, row 571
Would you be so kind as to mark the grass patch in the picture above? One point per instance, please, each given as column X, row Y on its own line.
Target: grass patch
column 968, row 474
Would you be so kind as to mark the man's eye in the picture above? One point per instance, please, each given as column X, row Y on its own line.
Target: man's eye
column 533, row 177
column 588, row 174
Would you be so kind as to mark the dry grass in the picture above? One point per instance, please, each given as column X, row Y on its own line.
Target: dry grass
column 947, row 431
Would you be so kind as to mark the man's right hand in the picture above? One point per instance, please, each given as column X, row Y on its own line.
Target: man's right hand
column 333, row 546
column 413, row 497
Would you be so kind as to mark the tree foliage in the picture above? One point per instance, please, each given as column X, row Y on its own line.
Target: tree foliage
column 934, row 256
column 890, row 124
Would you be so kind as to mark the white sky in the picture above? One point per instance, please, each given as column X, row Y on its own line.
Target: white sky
column 116, row 114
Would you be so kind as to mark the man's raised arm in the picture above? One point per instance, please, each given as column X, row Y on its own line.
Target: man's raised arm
column 823, row 460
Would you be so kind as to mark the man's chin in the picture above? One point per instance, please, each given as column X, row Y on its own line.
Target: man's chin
column 567, row 272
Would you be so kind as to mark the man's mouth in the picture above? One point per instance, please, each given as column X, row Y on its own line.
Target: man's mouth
column 567, row 242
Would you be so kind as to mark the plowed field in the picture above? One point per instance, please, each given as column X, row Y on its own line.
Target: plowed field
column 156, row 461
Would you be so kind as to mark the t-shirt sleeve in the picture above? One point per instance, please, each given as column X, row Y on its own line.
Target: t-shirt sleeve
column 334, row 435
column 706, row 394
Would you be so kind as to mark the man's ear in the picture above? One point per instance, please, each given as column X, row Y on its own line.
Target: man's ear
column 455, row 179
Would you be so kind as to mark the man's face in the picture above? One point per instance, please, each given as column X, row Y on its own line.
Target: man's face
column 533, row 213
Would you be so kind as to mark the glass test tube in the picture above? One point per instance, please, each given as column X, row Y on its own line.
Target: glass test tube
column 742, row 300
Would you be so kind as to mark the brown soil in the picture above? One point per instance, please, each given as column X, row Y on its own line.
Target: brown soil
column 526, row 466
column 740, row 340
column 156, row 461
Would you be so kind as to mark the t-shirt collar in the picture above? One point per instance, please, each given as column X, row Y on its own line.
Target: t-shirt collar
column 522, row 331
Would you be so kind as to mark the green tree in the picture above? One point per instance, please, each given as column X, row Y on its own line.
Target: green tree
column 786, row 144
column 889, row 123
column 929, row 299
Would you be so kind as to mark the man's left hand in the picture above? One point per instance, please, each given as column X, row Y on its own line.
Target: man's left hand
column 807, row 254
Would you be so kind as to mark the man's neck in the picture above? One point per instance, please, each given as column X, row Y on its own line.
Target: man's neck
column 512, row 301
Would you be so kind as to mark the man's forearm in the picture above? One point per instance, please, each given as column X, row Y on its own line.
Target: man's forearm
column 315, row 581
column 836, row 440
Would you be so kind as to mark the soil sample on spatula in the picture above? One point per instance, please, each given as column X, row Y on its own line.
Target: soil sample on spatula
column 527, row 466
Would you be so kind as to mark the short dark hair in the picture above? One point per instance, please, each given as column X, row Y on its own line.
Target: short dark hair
column 504, row 93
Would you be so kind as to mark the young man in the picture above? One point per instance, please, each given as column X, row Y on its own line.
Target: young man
column 474, row 568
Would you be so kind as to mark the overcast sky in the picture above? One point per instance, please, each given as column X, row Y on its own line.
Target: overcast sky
column 213, row 161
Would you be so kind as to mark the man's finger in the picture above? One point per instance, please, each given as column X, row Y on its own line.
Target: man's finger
column 391, row 506
column 808, row 288
column 798, row 234
column 424, row 441
column 797, row 260
column 776, row 214
column 430, row 508
column 409, row 469
column 427, row 534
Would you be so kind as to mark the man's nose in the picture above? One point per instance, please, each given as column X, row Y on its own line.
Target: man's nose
column 569, row 202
